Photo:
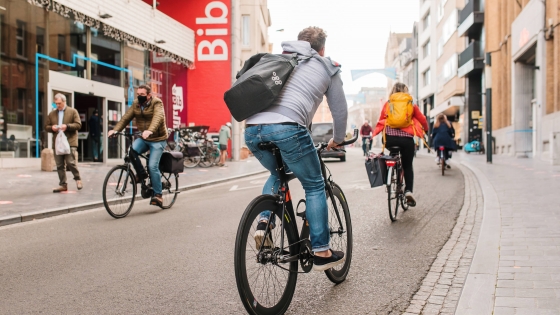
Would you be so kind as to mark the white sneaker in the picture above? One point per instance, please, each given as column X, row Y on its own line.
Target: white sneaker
column 437, row 161
column 410, row 199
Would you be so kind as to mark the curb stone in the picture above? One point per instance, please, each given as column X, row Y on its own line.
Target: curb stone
column 47, row 213
column 441, row 289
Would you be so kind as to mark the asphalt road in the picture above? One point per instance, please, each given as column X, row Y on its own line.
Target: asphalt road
column 180, row 261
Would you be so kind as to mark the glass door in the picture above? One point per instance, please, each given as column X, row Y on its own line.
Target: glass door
column 116, row 147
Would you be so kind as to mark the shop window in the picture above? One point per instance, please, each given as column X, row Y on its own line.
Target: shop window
column 245, row 31
column 3, row 35
column 107, row 50
column 20, row 38
column 61, row 54
column 40, row 42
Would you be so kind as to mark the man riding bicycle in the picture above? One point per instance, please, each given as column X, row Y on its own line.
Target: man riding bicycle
column 150, row 121
column 285, row 123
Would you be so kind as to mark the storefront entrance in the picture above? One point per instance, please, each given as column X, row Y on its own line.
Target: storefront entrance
column 86, row 96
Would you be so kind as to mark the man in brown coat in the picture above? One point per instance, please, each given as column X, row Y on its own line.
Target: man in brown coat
column 65, row 119
column 148, row 112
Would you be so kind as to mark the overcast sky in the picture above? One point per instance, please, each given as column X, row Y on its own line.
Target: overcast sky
column 357, row 30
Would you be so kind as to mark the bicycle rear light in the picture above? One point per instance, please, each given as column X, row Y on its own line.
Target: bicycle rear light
column 390, row 163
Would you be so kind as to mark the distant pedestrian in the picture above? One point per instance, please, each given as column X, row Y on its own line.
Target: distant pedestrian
column 65, row 119
column 95, row 134
column 225, row 135
column 366, row 132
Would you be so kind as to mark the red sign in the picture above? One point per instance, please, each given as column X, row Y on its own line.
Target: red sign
column 206, row 84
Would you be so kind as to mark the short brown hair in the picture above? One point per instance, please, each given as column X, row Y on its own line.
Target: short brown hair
column 316, row 36
column 146, row 87
column 399, row 87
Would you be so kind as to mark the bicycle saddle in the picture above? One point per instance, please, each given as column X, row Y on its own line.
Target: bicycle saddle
column 268, row 145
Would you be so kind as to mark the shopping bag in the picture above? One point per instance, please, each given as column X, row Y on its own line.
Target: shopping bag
column 62, row 145
column 376, row 170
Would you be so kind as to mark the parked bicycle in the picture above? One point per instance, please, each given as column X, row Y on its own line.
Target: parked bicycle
column 120, row 190
column 395, row 183
column 266, row 273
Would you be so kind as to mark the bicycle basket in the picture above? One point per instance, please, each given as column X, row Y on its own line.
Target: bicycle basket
column 192, row 149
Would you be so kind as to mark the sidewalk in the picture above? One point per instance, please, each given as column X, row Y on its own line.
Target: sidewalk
column 26, row 194
column 516, row 265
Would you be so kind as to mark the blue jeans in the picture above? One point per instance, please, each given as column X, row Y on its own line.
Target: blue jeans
column 156, row 150
column 95, row 146
column 300, row 157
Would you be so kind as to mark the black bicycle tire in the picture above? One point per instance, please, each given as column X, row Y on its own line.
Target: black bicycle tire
column 338, row 276
column 103, row 193
column 191, row 158
column 257, row 205
column 392, row 216
column 174, row 195
column 442, row 166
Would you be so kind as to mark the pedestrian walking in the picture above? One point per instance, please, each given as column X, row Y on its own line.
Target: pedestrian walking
column 67, row 120
column 225, row 135
column 95, row 134
column 365, row 132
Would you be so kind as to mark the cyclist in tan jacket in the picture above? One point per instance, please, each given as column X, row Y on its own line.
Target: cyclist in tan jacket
column 150, row 120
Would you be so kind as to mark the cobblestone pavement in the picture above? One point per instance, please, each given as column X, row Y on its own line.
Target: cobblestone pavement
column 441, row 288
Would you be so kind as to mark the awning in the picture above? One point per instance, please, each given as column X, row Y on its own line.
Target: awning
column 449, row 107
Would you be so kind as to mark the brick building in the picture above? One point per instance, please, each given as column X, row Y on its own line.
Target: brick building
column 524, row 46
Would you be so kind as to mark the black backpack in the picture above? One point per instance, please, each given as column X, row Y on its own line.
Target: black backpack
column 258, row 83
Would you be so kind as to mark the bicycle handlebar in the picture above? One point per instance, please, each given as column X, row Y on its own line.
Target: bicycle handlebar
column 323, row 145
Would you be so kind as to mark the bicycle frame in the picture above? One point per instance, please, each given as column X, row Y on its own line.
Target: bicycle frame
column 288, row 214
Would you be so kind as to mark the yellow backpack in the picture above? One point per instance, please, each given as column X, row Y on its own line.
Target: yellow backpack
column 399, row 110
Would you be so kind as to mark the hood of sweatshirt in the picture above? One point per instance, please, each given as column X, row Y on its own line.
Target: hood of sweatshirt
column 304, row 48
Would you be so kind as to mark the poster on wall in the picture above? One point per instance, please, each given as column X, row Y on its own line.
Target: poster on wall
column 211, row 21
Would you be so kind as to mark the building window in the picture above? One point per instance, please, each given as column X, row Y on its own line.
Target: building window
column 40, row 40
column 3, row 34
column 245, row 34
column 426, row 49
column 426, row 77
column 441, row 10
column 440, row 47
column 449, row 69
column 426, row 22
column 20, row 38
column 449, row 27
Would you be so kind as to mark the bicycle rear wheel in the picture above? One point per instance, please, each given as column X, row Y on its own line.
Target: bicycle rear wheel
column 119, row 189
column 442, row 165
column 264, row 287
column 170, row 189
column 341, row 234
column 392, row 194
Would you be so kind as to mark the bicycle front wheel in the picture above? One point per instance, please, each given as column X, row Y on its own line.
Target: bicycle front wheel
column 266, row 286
column 341, row 233
column 170, row 189
column 191, row 161
column 119, row 189
column 392, row 193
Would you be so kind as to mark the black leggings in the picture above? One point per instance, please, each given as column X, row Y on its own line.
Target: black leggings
column 407, row 156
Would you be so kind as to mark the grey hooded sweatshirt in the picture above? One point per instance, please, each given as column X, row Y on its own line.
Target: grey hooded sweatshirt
column 299, row 99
